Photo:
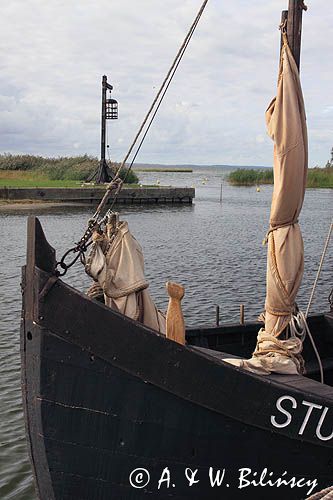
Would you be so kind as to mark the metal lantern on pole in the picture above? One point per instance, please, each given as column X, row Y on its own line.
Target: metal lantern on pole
column 109, row 112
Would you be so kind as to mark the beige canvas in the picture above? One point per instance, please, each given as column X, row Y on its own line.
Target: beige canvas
column 286, row 125
column 118, row 267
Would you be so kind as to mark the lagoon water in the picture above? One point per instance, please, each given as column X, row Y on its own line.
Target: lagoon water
column 214, row 249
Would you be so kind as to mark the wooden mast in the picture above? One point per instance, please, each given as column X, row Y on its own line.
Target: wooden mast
column 294, row 27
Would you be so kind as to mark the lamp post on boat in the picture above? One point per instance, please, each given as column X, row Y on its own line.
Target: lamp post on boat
column 109, row 112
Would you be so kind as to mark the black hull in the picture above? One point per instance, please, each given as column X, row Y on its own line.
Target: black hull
column 104, row 396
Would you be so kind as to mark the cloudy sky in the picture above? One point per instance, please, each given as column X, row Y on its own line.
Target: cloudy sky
column 54, row 53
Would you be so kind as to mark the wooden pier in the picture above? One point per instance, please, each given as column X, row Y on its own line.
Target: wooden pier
column 144, row 195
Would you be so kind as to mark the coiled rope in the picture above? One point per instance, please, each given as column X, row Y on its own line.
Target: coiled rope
column 326, row 494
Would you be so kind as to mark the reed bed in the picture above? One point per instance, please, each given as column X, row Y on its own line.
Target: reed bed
column 68, row 168
column 317, row 177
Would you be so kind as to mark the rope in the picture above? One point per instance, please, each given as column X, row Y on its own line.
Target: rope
column 299, row 327
column 116, row 184
column 319, row 268
column 291, row 348
column 160, row 95
column 159, row 104
column 326, row 494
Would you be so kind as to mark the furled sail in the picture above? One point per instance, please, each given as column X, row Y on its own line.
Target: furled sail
column 116, row 264
column 286, row 125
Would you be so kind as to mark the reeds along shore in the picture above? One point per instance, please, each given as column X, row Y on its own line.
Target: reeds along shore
column 37, row 168
column 317, row 177
column 36, row 171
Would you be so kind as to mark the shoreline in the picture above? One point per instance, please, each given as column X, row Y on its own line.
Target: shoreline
column 34, row 204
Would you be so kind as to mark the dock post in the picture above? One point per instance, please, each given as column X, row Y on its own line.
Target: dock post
column 217, row 316
column 241, row 314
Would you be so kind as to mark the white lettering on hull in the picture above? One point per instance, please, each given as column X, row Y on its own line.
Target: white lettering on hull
column 323, row 415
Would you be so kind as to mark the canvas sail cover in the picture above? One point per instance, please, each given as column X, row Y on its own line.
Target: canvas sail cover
column 116, row 264
column 286, row 125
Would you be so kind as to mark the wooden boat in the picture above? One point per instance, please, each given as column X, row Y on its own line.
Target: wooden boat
column 105, row 396
column 116, row 411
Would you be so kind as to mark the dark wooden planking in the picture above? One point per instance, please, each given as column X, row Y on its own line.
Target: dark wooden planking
column 112, row 439
column 177, row 369
column 241, row 340
column 101, row 391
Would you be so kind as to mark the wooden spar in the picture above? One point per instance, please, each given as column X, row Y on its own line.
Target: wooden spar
column 294, row 28
column 175, row 325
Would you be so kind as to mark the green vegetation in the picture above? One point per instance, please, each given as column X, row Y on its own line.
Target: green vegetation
column 320, row 177
column 250, row 177
column 317, row 177
column 67, row 171
column 21, row 178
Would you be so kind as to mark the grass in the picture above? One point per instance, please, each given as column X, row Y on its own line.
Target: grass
column 69, row 169
column 317, row 177
column 34, row 179
column 320, row 177
column 24, row 179
column 250, row 177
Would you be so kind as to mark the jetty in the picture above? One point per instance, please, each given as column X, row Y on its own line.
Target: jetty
column 92, row 195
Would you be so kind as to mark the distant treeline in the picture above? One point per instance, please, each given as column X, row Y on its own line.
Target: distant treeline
column 78, row 168
column 317, row 177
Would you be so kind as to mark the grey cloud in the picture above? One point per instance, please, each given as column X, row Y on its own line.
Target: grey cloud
column 56, row 52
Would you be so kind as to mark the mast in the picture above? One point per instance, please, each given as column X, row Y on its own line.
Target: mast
column 293, row 18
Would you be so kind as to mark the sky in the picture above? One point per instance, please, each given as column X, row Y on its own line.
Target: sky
column 54, row 53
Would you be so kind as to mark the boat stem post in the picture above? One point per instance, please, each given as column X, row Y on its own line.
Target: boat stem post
column 241, row 314
column 217, row 315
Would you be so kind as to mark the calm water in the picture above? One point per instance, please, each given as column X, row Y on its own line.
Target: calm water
column 213, row 249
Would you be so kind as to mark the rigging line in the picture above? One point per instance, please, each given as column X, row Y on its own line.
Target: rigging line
column 180, row 54
column 157, row 108
column 319, row 269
